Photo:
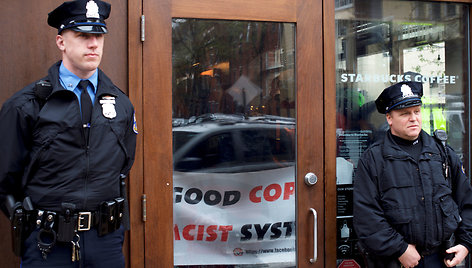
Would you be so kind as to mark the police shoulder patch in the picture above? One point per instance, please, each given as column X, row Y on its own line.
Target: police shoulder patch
column 135, row 125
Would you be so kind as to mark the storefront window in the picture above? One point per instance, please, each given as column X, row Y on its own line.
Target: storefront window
column 377, row 44
column 233, row 104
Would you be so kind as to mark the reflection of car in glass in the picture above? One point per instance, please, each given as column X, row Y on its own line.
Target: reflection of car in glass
column 221, row 143
column 234, row 190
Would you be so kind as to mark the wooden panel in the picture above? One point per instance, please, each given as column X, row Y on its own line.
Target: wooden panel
column 115, row 56
column 310, row 153
column 329, row 72
column 136, row 183
column 28, row 44
column 29, row 49
column 266, row 10
column 157, row 128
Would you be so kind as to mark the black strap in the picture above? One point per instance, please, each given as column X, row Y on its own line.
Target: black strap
column 440, row 136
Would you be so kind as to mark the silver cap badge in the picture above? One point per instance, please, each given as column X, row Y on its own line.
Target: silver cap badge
column 92, row 10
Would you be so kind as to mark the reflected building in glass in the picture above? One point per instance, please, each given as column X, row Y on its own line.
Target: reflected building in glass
column 233, row 67
column 233, row 103
column 377, row 44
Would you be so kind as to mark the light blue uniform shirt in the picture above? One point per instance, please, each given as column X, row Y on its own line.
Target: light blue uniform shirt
column 71, row 81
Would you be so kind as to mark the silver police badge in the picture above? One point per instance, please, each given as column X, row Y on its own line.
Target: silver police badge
column 92, row 10
column 108, row 106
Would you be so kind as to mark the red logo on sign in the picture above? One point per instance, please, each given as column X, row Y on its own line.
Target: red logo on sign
column 349, row 264
column 238, row 252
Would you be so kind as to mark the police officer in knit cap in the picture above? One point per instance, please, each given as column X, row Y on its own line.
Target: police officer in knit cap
column 70, row 144
column 412, row 198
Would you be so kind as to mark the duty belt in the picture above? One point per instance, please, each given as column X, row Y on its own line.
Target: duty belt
column 64, row 226
column 67, row 222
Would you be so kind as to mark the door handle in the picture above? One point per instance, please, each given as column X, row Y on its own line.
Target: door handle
column 311, row 179
column 315, row 236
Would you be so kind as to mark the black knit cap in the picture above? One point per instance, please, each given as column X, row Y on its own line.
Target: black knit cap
column 401, row 95
column 86, row 16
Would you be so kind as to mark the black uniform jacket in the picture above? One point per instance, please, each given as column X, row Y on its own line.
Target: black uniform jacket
column 399, row 201
column 44, row 150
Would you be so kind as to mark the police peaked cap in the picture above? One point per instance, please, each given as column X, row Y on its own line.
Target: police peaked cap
column 401, row 95
column 86, row 16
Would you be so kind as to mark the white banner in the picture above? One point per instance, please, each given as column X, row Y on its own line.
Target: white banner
column 235, row 218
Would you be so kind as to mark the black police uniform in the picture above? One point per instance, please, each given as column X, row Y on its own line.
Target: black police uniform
column 47, row 152
column 400, row 200
column 48, row 158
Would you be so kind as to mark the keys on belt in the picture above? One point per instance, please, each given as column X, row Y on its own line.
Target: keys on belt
column 64, row 226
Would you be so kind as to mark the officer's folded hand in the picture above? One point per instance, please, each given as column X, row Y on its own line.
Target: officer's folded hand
column 410, row 258
column 460, row 252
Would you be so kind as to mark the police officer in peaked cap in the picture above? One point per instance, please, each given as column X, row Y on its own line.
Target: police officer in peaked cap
column 81, row 16
column 401, row 95
column 70, row 143
column 412, row 198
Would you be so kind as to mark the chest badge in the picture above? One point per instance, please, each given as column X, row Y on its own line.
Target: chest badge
column 108, row 106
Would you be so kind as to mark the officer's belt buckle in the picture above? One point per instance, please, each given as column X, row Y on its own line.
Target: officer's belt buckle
column 84, row 220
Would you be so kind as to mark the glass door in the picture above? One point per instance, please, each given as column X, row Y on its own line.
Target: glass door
column 234, row 134
column 379, row 43
column 234, row 143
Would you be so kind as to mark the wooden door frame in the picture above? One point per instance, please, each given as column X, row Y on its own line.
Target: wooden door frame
column 315, row 80
column 329, row 118
column 136, row 182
